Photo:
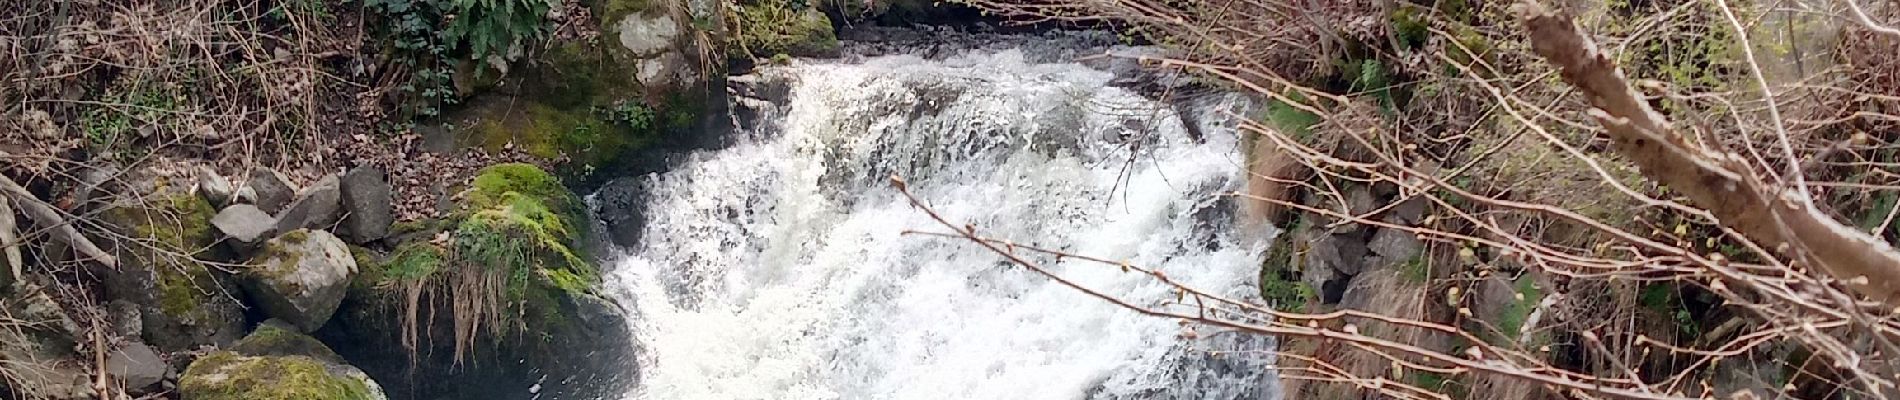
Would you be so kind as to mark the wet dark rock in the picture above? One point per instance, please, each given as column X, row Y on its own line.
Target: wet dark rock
column 620, row 207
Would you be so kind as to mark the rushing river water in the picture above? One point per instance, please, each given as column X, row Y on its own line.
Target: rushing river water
column 778, row 268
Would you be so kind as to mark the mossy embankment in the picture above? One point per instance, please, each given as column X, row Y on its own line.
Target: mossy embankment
column 511, row 260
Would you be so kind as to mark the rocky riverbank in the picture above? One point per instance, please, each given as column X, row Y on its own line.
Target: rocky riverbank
column 494, row 297
column 411, row 229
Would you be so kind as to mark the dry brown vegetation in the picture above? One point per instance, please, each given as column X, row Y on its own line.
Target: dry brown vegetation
column 1671, row 199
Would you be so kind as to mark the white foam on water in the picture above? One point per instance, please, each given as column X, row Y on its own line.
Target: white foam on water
column 779, row 268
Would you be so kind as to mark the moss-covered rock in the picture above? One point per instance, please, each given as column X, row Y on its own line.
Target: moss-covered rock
column 301, row 277
column 279, row 338
column 183, row 303
column 769, row 27
column 520, row 219
column 512, row 251
column 229, row 376
column 901, row 12
column 276, row 362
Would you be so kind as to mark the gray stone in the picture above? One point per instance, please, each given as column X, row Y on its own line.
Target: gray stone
column 317, row 207
column 137, row 365
column 647, row 35
column 669, row 69
column 270, row 191
column 1329, row 261
column 705, row 9
column 245, row 225
column 96, row 182
column 436, row 139
column 244, row 195
column 1359, row 202
column 1407, row 212
column 1395, row 244
column 1490, row 297
column 59, row 375
column 125, row 319
column 301, row 277
column 367, row 205
column 1335, row 252
column 213, row 187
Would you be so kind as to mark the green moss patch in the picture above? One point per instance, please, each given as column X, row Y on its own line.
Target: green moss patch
column 228, row 376
column 769, row 27
column 168, row 232
column 273, row 339
column 588, row 137
column 1280, row 283
column 1512, row 319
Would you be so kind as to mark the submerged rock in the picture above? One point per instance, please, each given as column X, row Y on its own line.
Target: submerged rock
column 301, row 277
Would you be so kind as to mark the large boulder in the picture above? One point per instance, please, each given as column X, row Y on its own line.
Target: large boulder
column 367, row 205
column 316, row 207
column 301, row 277
column 276, row 363
column 276, row 337
column 767, row 28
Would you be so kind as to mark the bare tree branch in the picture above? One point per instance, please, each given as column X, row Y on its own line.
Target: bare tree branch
column 48, row 216
column 1723, row 183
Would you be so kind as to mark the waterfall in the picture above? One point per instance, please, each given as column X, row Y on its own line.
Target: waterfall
column 778, row 268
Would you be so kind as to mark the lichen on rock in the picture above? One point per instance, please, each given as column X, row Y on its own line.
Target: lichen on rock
column 184, row 303
column 301, row 277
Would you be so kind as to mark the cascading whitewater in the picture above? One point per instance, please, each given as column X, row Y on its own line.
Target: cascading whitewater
column 777, row 268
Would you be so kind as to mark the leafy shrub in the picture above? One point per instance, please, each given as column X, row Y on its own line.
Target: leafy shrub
column 431, row 36
column 490, row 27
